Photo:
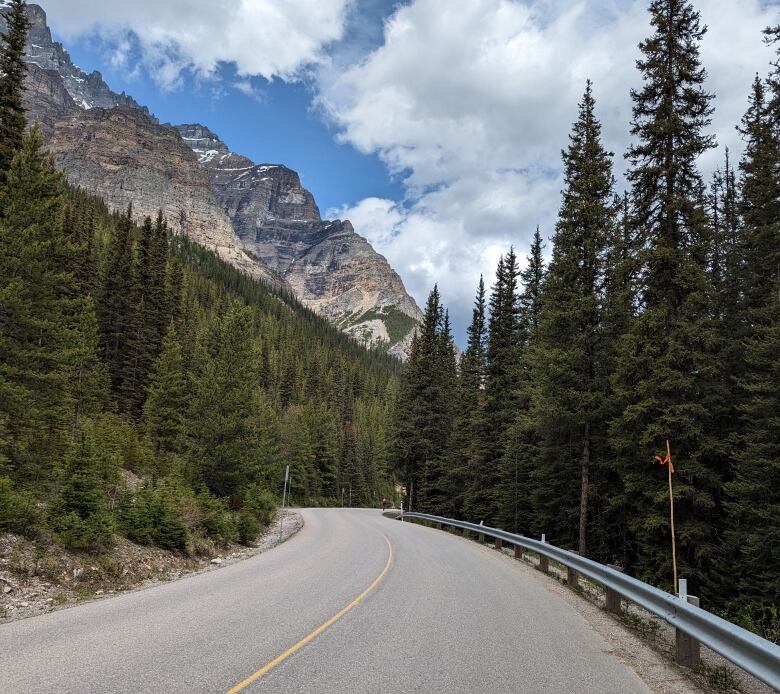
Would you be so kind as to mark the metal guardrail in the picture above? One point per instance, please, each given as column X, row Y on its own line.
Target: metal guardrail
column 757, row 656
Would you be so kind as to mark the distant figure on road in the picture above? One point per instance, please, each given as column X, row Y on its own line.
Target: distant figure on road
column 384, row 503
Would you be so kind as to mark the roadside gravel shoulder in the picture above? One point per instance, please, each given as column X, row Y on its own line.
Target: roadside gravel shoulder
column 34, row 582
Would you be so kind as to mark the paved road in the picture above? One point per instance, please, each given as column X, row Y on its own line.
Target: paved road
column 446, row 615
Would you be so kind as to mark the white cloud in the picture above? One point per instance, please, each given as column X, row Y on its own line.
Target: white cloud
column 471, row 101
column 268, row 38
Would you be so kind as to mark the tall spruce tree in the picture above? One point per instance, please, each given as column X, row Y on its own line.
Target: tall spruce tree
column 41, row 321
column 568, row 363
column 469, row 422
column 12, row 73
column 116, row 307
column 753, row 537
column 520, row 453
column 423, row 412
column 665, row 368
column 501, row 389
column 223, row 431
column 165, row 409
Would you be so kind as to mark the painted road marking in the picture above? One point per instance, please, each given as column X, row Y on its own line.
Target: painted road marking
column 314, row 634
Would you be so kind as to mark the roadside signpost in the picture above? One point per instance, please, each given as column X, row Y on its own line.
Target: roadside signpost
column 284, row 499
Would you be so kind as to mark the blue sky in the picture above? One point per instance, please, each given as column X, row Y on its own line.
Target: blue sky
column 435, row 126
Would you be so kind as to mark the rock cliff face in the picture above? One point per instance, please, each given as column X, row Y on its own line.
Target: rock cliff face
column 330, row 267
column 124, row 157
column 108, row 144
column 87, row 91
column 256, row 216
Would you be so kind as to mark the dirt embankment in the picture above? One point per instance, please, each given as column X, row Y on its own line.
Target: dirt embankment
column 35, row 579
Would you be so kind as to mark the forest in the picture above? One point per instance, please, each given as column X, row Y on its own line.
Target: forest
column 655, row 317
column 149, row 389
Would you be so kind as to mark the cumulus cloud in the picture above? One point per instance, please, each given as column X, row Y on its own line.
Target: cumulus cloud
column 264, row 38
column 471, row 101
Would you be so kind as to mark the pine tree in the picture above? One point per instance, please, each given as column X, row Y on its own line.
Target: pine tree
column 116, row 308
column 40, row 320
column 469, row 423
column 754, row 493
column 424, row 406
column 435, row 489
column 501, row 389
column 532, row 280
column 520, row 450
column 568, row 363
column 665, row 368
column 164, row 414
column 223, row 429
column 12, row 73
column 80, row 515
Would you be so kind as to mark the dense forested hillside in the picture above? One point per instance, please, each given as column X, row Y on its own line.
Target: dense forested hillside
column 127, row 352
column 657, row 317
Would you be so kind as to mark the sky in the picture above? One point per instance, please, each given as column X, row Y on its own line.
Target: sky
column 435, row 126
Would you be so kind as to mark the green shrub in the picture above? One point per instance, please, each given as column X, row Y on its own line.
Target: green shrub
column 247, row 526
column 153, row 516
column 79, row 515
column 18, row 513
column 95, row 533
column 260, row 503
column 216, row 521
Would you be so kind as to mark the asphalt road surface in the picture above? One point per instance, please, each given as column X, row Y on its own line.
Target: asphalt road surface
column 354, row 603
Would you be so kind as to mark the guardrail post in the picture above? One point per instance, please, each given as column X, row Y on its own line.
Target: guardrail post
column 613, row 599
column 518, row 552
column 572, row 579
column 499, row 543
column 438, row 526
column 544, row 562
column 480, row 537
column 688, row 649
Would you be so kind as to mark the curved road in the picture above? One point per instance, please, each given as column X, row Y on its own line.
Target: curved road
column 436, row 613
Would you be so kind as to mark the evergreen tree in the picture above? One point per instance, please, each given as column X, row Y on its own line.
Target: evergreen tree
column 12, row 73
column 754, row 493
column 665, row 372
column 164, row 414
column 469, row 423
column 423, row 410
column 532, row 280
column 117, row 310
column 223, row 430
column 80, row 515
column 435, row 491
column 40, row 320
column 501, row 389
column 568, row 362
column 521, row 449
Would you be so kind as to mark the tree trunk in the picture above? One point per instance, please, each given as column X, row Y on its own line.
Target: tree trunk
column 584, row 484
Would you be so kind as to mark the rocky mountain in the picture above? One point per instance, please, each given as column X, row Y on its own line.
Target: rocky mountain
column 330, row 267
column 87, row 90
column 256, row 216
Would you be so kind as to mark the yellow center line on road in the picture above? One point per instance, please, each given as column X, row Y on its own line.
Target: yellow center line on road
column 314, row 634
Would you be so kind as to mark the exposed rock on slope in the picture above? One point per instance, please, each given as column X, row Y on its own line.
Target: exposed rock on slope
column 258, row 217
column 330, row 267
column 107, row 144
column 125, row 157
column 87, row 91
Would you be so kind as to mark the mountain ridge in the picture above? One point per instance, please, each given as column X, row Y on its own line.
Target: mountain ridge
column 258, row 217
column 330, row 267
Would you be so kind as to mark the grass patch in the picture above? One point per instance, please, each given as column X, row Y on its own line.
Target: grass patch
column 398, row 324
column 720, row 677
column 648, row 628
